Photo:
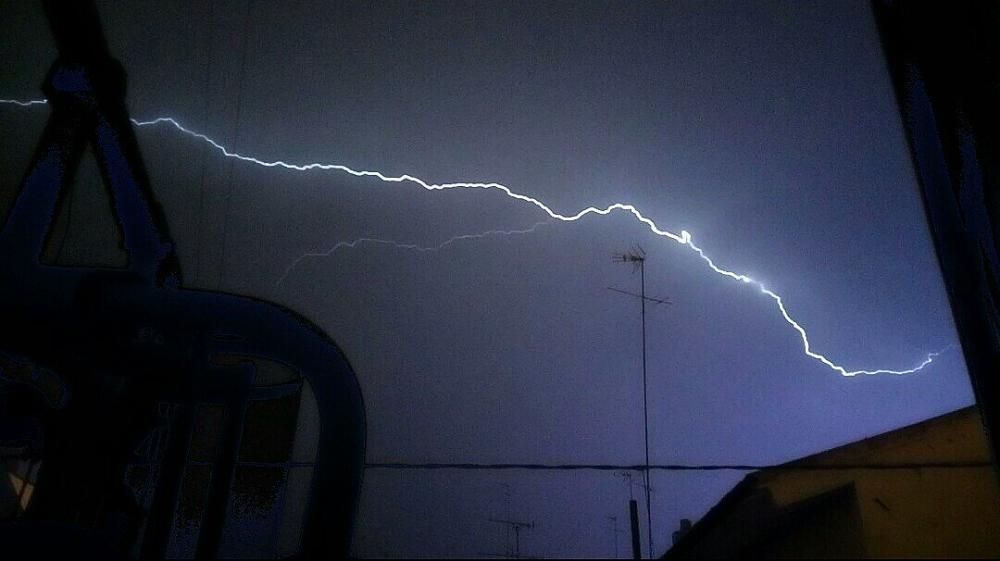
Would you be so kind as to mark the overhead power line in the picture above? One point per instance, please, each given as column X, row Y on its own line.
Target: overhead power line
column 681, row 467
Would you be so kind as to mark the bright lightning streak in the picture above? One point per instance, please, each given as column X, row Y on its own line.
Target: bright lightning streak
column 683, row 238
column 409, row 246
column 28, row 103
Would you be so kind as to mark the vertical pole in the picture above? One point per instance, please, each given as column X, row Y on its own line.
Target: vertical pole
column 158, row 524
column 214, row 516
column 645, row 412
column 633, row 511
column 614, row 530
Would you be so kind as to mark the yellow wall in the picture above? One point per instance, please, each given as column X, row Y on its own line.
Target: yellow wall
column 929, row 511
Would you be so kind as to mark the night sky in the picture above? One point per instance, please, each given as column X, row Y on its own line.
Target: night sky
column 768, row 130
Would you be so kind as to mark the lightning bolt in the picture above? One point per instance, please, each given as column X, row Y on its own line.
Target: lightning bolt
column 409, row 246
column 682, row 238
column 28, row 103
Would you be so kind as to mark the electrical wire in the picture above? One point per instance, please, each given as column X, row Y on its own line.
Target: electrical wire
column 682, row 467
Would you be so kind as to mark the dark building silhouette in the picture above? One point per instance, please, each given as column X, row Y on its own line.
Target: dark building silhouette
column 138, row 417
column 926, row 490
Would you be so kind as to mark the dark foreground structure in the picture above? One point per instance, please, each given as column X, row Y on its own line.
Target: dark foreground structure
column 139, row 418
column 926, row 490
column 944, row 61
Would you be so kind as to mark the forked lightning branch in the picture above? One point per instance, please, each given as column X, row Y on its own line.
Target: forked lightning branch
column 682, row 238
